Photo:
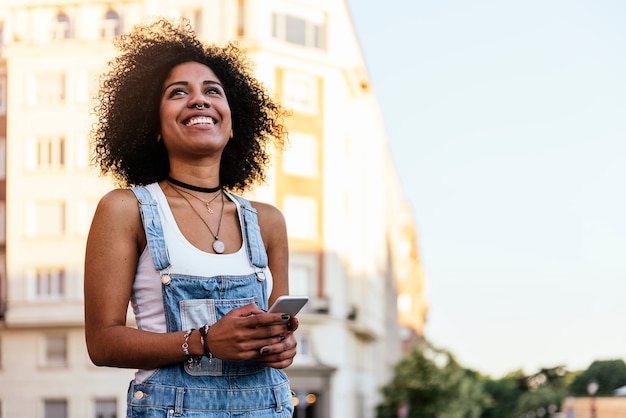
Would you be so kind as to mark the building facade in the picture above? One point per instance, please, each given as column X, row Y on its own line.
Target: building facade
column 352, row 239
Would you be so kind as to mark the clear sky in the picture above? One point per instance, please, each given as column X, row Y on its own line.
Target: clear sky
column 507, row 122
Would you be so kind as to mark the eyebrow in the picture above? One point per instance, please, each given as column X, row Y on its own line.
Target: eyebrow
column 186, row 83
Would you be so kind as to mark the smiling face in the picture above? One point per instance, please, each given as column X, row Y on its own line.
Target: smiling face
column 185, row 129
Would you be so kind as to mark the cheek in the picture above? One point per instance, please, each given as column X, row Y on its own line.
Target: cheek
column 166, row 118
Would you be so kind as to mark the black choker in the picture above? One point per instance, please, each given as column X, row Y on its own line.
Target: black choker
column 192, row 187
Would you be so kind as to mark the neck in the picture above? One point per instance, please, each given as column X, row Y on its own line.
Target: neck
column 192, row 187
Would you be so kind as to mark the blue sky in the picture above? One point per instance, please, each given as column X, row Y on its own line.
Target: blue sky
column 507, row 122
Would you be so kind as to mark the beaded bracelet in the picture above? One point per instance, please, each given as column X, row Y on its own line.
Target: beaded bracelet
column 204, row 331
column 186, row 345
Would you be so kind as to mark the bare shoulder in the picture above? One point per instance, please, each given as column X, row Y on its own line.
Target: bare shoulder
column 117, row 222
column 268, row 215
column 118, row 211
column 118, row 202
column 274, row 232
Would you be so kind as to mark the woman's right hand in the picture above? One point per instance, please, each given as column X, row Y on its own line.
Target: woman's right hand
column 241, row 333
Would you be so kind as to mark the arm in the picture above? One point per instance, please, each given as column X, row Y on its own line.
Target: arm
column 274, row 233
column 115, row 241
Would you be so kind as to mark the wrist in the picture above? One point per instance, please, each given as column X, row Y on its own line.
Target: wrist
column 204, row 338
column 192, row 346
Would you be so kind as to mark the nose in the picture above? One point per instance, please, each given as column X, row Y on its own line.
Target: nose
column 200, row 104
column 199, row 101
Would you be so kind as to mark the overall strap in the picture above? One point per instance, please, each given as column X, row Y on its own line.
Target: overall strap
column 152, row 225
column 251, row 232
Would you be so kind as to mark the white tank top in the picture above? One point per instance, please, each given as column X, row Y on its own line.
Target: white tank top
column 146, row 298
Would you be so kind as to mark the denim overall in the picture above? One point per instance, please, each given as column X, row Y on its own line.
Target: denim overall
column 209, row 388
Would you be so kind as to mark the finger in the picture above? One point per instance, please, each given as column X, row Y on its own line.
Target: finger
column 246, row 311
column 272, row 346
column 286, row 344
column 279, row 360
column 265, row 319
column 270, row 331
column 293, row 324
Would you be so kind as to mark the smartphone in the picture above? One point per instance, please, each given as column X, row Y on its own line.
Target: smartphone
column 289, row 304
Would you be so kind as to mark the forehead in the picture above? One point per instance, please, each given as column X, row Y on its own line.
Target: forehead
column 190, row 71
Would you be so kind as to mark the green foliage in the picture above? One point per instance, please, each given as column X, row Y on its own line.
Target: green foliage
column 610, row 375
column 517, row 394
column 504, row 394
column 433, row 385
column 541, row 398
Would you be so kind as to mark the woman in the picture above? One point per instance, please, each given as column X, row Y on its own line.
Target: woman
column 185, row 124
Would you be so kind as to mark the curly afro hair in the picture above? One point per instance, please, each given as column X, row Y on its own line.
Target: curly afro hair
column 127, row 111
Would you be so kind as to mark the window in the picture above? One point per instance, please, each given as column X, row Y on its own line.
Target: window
column 62, row 29
column 85, row 210
column 3, row 94
column 300, row 92
column 55, row 409
column 405, row 303
column 241, row 18
column 86, row 82
column 106, row 408
column 82, row 152
column 111, row 25
column 50, row 283
column 301, row 216
column 303, row 273
column 304, row 344
column 3, row 219
column 45, row 153
column 295, row 30
column 56, row 351
column 45, row 219
column 3, row 158
column 299, row 30
column 47, row 89
column 300, row 279
column 301, row 157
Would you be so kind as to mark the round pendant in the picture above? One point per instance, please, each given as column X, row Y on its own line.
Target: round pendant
column 218, row 246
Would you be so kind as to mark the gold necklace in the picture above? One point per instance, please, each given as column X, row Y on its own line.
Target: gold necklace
column 208, row 208
column 218, row 246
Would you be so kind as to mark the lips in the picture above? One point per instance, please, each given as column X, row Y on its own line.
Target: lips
column 200, row 120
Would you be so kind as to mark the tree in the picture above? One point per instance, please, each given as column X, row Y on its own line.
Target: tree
column 504, row 393
column 610, row 375
column 543, row 398
column 431, row 384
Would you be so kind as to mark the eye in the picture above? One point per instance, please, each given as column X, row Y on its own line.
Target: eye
column 177, row 92
column 214, row 90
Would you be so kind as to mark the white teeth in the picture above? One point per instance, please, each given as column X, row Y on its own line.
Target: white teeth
column 200, row 120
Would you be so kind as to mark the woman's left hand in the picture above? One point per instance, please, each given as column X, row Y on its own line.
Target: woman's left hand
column 280, row 355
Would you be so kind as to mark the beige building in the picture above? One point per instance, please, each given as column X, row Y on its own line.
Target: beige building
column 600, row 407
column 352, row 236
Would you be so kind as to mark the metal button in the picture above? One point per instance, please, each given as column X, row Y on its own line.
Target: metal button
column 165, row 279
column 260, row 276
column 138, row 395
